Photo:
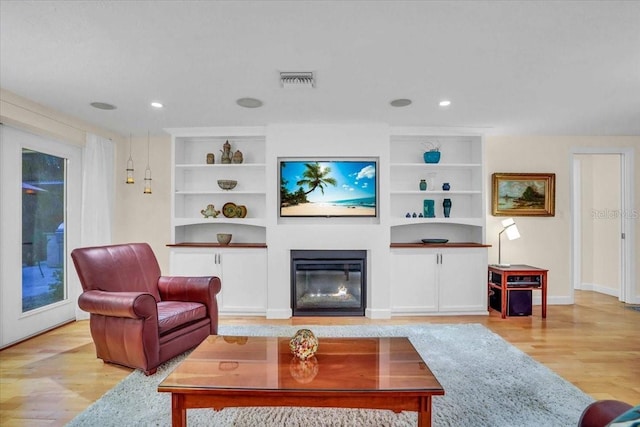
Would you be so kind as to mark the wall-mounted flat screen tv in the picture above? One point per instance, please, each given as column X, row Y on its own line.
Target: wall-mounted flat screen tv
column 342, row 187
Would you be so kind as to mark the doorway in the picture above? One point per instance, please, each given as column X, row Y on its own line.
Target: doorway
column 39, row 217
column 602, row 230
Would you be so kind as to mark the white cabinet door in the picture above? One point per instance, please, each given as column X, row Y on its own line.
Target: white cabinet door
column 413, row 282
column 244, row 281
column 243, row 273
column 193, row 262
column 462, row 280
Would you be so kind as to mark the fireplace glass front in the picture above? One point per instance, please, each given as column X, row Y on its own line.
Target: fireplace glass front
column 328, row 283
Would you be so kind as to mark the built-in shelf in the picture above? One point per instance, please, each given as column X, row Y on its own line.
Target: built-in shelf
column 195, row 184
column 256, row 222
column 461, row 166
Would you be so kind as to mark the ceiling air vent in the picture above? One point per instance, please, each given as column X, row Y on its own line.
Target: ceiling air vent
column 297, row 79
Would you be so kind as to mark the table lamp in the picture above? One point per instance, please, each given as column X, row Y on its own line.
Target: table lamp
column 508, row 225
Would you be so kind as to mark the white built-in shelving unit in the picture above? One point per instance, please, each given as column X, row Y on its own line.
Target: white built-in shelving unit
column 194, row 184
column 460, row 165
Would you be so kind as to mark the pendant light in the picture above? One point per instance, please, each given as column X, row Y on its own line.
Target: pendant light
column 129, row 165
column 147, row 171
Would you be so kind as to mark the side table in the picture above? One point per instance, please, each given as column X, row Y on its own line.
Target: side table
column 517, row 277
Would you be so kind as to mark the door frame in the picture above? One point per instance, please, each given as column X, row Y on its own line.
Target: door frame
column 627, row 226
column 15, row 325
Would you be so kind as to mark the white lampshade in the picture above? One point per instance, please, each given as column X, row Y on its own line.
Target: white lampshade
column 510, row 228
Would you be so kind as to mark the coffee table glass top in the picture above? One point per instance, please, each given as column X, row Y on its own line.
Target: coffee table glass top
column 266, row 363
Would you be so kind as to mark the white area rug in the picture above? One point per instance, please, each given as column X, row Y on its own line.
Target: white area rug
column 487, row 382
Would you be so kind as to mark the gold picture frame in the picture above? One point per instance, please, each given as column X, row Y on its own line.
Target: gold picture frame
column 523, row 194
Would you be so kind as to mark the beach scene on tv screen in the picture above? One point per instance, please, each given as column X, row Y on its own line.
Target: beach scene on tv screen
column 327, row 188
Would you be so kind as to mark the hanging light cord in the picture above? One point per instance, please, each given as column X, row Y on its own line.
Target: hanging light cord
column 147, row 172
column 130, row 179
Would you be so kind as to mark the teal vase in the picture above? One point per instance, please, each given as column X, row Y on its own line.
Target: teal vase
column 431, row 156
column 446, row 204
column 429, row 208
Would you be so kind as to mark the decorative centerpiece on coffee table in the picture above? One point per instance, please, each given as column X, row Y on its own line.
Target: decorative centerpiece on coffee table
column 304, row 344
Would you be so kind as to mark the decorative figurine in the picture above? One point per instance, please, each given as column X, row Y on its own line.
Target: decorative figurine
column 210, row 211
column 226, row 153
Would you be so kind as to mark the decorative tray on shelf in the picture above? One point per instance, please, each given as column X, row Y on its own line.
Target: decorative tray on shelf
column 432, row 241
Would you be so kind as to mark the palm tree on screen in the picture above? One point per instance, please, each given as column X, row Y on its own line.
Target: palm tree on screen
column 315, row 176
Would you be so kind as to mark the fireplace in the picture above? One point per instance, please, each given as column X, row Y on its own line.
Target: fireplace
column 328, row 282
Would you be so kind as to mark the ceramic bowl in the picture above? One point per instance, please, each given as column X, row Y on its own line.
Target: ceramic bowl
column 227, row 184
column 224, row 238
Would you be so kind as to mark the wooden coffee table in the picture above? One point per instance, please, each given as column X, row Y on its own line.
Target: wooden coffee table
column 371, row 373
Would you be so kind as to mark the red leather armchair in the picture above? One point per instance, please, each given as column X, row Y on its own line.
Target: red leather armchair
column 601, row 412
column 139, row 318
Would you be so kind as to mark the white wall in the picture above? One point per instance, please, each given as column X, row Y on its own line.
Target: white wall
column 144, row 217
column 546, row 241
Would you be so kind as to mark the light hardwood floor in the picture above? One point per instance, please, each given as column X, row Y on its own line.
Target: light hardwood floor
column 595, row 344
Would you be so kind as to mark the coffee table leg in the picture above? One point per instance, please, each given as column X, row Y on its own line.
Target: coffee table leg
column 424, row 415
column 178, row 411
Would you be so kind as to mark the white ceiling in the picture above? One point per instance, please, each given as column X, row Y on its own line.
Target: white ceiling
column 510, row 67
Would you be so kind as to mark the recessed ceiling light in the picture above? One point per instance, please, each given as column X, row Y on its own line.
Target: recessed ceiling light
column 445, row 103
column 402, row 102
column 249, row 102
column 156, row 104
column 103, row 106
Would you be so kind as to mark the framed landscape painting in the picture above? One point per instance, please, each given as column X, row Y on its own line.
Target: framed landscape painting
column 523, row 194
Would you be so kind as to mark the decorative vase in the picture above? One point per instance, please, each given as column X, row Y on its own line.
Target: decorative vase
column 304, row 344
column 431, row 156
column 429, row 209
column 446, row 204
column 226, row 153
column 237, row 157
column 446, row 186
column 423, row 185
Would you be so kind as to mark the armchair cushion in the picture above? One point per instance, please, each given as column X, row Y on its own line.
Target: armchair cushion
column 176, row 314
column 139, row 318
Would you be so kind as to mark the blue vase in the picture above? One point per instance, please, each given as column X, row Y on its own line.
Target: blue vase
column 431, row 156
column 446, row 186
column 423, row 185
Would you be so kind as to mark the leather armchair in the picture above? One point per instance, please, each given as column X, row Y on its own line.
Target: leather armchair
column 139, row 318
column 601, row 412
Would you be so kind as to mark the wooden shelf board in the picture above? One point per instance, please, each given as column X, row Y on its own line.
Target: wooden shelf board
column 216, row 245
column 439, row 245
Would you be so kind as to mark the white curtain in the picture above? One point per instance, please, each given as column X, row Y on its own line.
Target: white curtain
column 97, row 195
column 97, row 191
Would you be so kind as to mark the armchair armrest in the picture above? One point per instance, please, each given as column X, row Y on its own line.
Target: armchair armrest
column 193, row 289
column 133, row 305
